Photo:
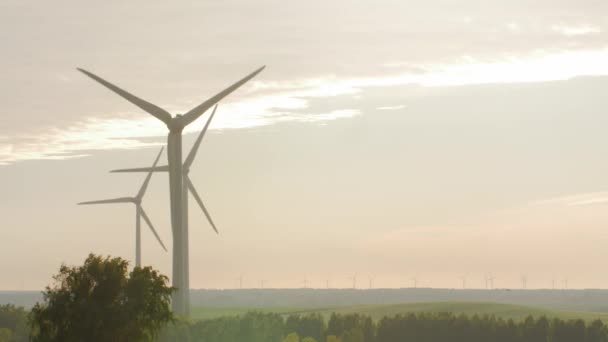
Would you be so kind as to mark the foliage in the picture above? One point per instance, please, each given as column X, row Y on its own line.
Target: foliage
column 99, row 301
column 13, row 323
column 311, row 325
column 293, row 337
column 421, row 327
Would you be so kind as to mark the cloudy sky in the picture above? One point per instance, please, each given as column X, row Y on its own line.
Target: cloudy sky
column 399, row 139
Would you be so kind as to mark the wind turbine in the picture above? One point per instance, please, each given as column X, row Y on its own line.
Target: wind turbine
column 464, row 281
column 491, row 281
column 188, row 186
column 176, row 125
column 524, row 282
column 139, row 212
column 371, row 282
column 415, row 280
column 354, row 278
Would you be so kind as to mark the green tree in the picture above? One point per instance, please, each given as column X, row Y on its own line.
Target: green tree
column 101, row 301
column 13, row 323
column 6, row 335
column 353, row 335
column 293, row 337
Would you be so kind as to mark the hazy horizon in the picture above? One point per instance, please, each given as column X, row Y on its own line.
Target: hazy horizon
column 400, row 140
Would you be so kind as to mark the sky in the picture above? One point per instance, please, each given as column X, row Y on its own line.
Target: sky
column 396, row 140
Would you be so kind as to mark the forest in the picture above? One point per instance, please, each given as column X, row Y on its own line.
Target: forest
column 422, row 327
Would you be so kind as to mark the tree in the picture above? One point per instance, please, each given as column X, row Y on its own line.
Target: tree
column 99, row 301
column 6, row 335
column 13, row 324
column 293, row 337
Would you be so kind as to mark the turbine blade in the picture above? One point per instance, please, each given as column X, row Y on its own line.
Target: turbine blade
column 197, row 143
column 199, row 201
column 113, row 200
column 150, row 108
column 144, row 186
column 195, row 112
column 147, row 219
column 164, row 168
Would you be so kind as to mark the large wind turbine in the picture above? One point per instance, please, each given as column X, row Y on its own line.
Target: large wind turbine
column 175, row 125
column 188, row 186
column 139, row 212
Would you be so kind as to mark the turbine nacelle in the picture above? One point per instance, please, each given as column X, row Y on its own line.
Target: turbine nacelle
column 177, row 123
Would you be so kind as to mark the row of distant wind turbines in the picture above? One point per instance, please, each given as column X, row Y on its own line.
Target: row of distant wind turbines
column 488, row 279
column 179, row 183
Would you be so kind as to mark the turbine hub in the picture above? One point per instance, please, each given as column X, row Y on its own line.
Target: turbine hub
column 176, row 123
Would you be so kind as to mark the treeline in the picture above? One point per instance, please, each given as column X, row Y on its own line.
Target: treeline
column 13, row 324
column 422, row 327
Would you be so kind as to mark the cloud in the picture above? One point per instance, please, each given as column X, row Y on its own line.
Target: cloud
column 573, row 31
column 274, row 102
column 391, row 107
column 575, row 200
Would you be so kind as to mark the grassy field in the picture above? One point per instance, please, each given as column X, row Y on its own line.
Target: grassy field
column 506, row 311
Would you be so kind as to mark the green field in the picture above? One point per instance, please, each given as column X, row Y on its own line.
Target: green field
column 506, row 311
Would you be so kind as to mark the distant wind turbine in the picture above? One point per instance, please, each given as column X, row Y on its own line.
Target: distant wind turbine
column 371, row 282
column 491, row 281
column 354, row 279
column 139, row 213
column 176, row 124
column 464, row 281
column 415, row 281
column 524, row 282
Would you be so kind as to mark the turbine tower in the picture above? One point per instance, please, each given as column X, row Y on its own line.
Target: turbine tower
column 491, row 281
column 464, row 281
column 139, row 213
column 176, row 125
column 188, row 186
